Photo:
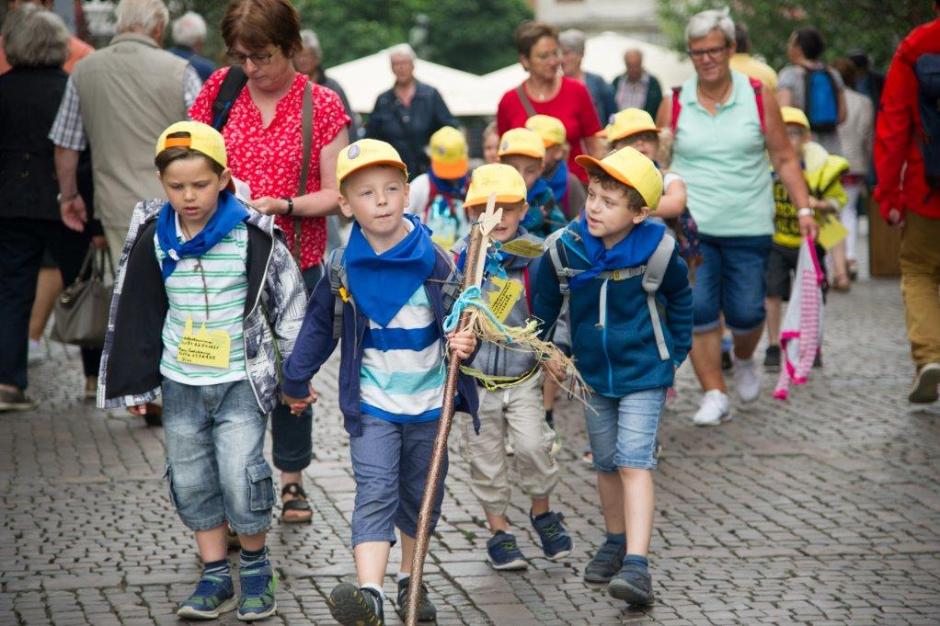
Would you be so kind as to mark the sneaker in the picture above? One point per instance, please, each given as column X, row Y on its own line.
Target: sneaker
column 606, row 563
column 632, row 584
column 746, row 379
column 36, row 352
column 427, row 612
column 924, row 388
column 556, row 542
column 587, row 457
column 503, row 552
column 354, row 606
column 16, row 400
column 213, row 596
column 772, row 359
column 714, row 409
column 257, row 597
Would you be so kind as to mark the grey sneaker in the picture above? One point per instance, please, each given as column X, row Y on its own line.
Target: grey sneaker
column 632, row 584
column 16, row 400
column 924, row 388
column 606, row 563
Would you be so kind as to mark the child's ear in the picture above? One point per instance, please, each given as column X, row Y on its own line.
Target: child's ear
column 225, row 178
column 407, row 191
column 641, row 214
column 345, row 207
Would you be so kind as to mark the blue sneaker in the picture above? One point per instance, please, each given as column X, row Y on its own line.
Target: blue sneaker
column 257, row 597
column 633, row 584
column 504, row 552
column 556, row 542
column 606, row 563
column 213, row 596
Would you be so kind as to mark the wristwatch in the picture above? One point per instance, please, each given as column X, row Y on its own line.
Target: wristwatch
column 290, row 205
column 806, row 212
column 60, row 198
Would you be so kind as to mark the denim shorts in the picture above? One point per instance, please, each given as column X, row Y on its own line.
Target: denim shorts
column 730, row 280
column 623, row 431
column 214, row 464
column 390, row 462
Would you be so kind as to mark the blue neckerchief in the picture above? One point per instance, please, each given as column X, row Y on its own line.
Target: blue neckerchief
column 228, row 213
column 535, row 192
column 381, row 284
column 558, row 181
column 632, row 250
column 447, row 186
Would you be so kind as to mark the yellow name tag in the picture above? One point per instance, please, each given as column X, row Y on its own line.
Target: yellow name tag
column 524, row 248
column 502, row 301
column 831, row 232
column 210, row 348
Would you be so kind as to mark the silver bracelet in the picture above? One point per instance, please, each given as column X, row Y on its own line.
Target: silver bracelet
column 806, row 212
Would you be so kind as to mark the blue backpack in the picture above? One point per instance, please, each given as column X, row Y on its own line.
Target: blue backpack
column 822, row 100
column 927, row 70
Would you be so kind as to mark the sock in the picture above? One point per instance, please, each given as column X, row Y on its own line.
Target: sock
column 373, row 587
column 636, row 559
column 253, row 559
column 403, row 576
column 539, row 516
column 619, row 539
column 216, row 568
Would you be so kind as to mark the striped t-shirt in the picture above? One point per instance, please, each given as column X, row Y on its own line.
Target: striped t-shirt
column 224, row 266
column 403, row 370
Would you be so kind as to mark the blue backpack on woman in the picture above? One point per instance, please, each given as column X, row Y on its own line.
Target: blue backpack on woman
column 927, row 70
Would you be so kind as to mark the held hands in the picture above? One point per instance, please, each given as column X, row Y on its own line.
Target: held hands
column 297, row 405
column 462, row 343
column 74, row 214
column 137, row 409
column 269, row 205
column 555, row 369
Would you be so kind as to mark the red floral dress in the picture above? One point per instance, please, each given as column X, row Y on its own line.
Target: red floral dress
column 269, row 158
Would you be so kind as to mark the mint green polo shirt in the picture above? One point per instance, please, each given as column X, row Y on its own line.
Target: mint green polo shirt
column 723, row 159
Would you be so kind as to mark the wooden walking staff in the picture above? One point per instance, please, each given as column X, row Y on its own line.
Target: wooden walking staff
column 473, row 275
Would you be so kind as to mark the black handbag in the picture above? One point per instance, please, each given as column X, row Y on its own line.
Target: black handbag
column 81, row 310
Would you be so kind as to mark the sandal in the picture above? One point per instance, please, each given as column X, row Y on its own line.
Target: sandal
column 302, row 512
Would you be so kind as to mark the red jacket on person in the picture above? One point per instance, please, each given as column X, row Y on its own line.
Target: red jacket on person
column 898, row 161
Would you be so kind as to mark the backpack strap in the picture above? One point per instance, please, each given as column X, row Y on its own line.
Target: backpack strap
column 231, row 86
column 655, row 271
column 758, row 88
column 676, row 108
column 339, row 287
column 524, row 99
column 306, row 129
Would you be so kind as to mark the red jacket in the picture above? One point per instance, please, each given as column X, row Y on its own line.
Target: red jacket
column 898, row 161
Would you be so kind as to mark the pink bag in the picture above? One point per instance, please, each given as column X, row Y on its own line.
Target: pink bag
column 801, row 332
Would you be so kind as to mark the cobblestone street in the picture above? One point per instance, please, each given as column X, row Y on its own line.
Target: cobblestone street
column 824, row 509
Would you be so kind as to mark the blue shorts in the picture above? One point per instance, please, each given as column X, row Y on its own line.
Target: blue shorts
column 214, row 464
column 390, row 462
column 623, row 431
column 730, row 280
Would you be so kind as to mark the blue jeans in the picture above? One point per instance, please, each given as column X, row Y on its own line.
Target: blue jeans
column 623, row 431
column 292, row 435
column 214, row 463
column 730, row 280
column 390, row 462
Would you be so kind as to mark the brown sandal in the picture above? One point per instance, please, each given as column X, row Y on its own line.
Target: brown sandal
column 298, row 504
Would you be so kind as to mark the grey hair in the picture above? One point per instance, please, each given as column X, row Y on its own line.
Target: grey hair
column 148, row 15
column 402, row 50
column 701, row 24
column 311, row 42
column 35, row 37
column 572, row 39
column 189, row 29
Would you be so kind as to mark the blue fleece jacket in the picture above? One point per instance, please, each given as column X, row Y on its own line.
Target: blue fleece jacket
column 621, row 358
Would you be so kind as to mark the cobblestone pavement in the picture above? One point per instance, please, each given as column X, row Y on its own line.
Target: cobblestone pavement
column 825, row 509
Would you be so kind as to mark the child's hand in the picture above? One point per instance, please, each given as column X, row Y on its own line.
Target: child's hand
column 462, row 343
column 555, row 369
column 297, row 405
column 137, row 409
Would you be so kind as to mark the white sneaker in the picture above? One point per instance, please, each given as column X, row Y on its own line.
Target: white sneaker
column 746, row 379
column 715, row 409
column 37, row 352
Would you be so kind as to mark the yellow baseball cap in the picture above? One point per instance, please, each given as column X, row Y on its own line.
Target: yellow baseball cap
column 549, row 128
column 628, row 122
column 793, row 115
column 632, row 169
column 364, row 153
column 202, row 138
column 448, row 151
column 498, row 178
column 523, row 142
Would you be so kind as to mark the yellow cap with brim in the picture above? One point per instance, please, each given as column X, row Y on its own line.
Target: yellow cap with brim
column 449, row 155
column 628, row 122
column 631, row 168
column 521, row 142
column 549, row 128
column 793, row 115
column 498, row 178
column 366, row 153
column 201, row 137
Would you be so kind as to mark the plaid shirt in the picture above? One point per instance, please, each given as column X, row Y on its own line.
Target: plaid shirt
column 68, row 130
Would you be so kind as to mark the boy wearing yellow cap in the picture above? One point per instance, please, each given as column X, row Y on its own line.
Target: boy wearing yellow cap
column 437, row 195
column 617, row 270
column 823, row 172
column 185, row 307
column 566, row 187
column 383, row 298
column 524, row 150
column 510, row 381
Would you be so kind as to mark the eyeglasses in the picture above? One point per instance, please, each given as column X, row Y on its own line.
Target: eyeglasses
column 795, row 133
column 257, row 58
column 713, row 53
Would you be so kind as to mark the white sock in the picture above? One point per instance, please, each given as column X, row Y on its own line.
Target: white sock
column 375, row 588
column 402, row 576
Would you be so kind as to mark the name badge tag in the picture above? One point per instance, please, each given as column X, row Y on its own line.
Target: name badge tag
column 210, row 348
column 502, row 301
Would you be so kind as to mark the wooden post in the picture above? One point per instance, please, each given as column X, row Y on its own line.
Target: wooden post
column 473, row 275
